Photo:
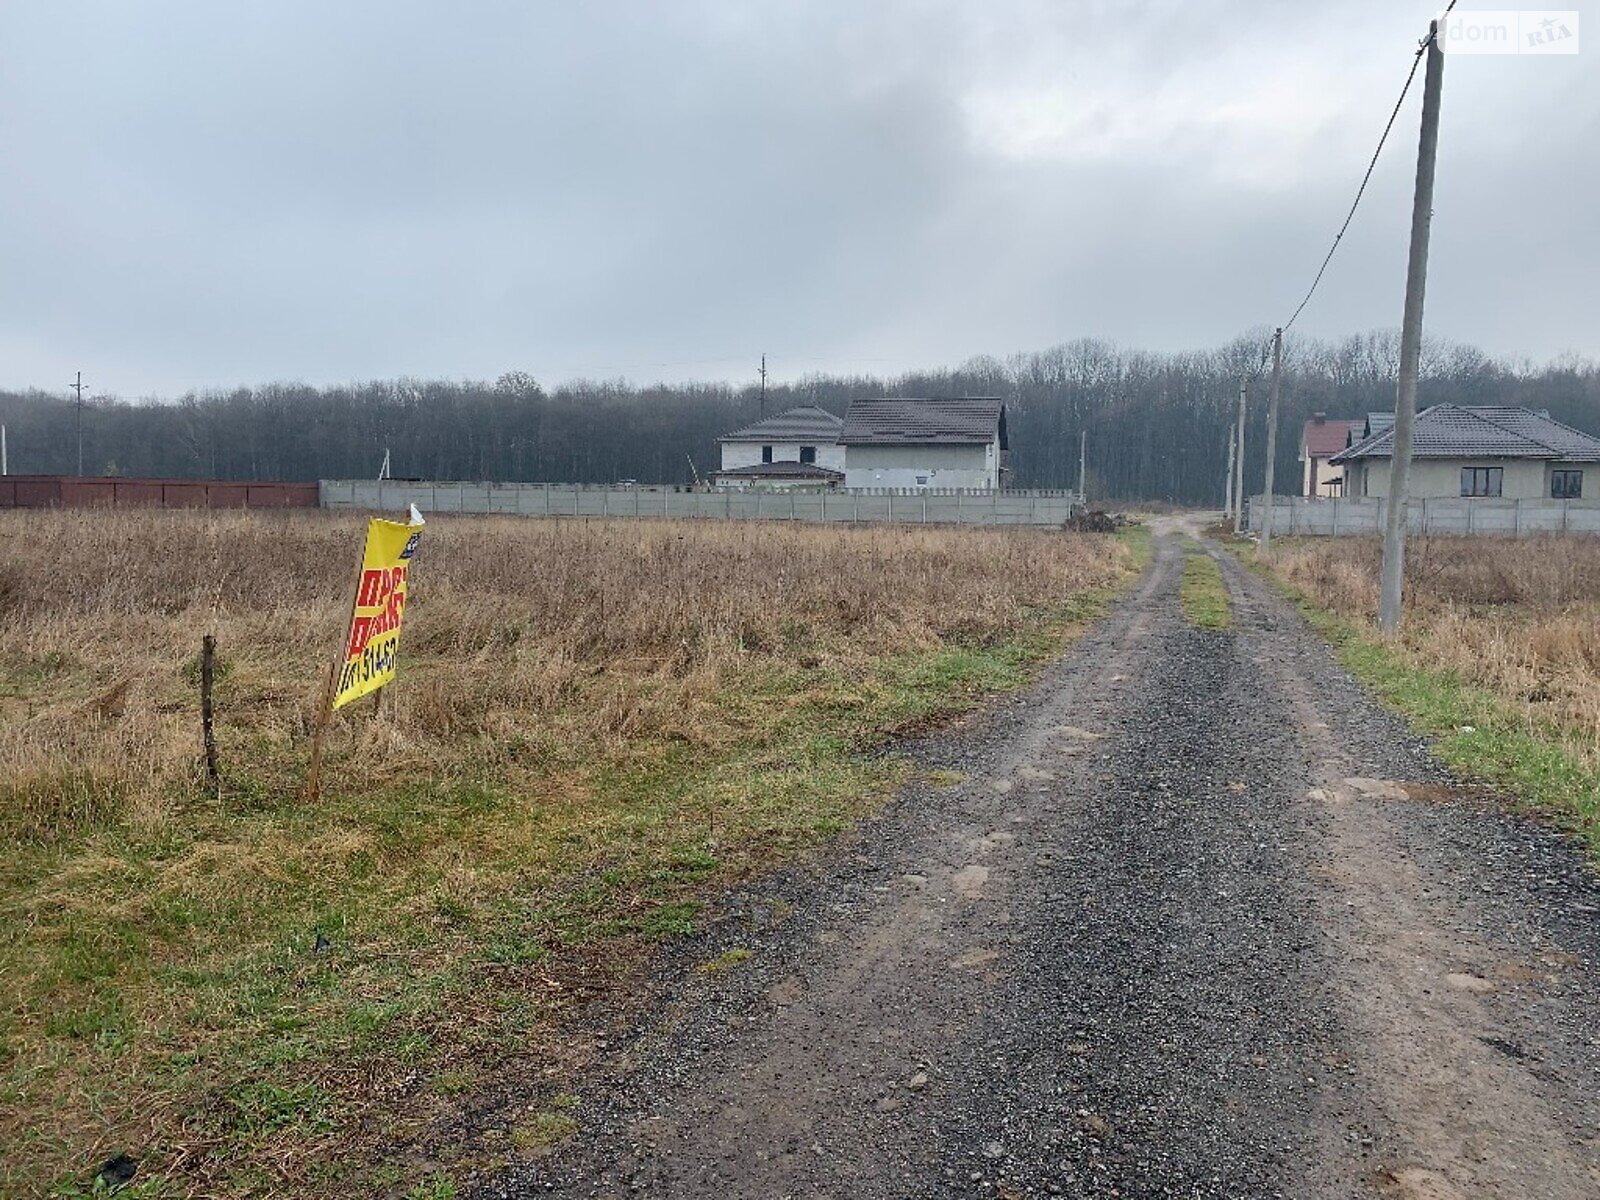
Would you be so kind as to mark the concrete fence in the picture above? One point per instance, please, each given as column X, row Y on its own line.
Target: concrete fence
column 1298, row 516
column 913, row 507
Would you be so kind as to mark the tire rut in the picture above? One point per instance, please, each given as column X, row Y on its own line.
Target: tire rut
column 1148, row 947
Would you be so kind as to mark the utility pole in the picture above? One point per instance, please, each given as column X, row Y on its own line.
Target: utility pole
column 1083, row 459
column 763, row 385
column 1272, row 438
column 1405, row 408
column 78, row 387
column 1238, row 478
column 1227, row 480
column 3, row 466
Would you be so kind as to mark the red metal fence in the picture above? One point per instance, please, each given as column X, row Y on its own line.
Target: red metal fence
column 72, row 491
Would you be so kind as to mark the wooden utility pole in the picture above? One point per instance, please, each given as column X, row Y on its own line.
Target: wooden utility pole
column 763, row 385
column 1272, row 438
column 1405, row 408
column 78, row 387
column 1238, row 477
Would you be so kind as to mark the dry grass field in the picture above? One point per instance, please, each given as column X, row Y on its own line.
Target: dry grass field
column 1518, row 620
column 594, row 723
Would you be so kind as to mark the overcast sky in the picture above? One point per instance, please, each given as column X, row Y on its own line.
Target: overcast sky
column 204, row 194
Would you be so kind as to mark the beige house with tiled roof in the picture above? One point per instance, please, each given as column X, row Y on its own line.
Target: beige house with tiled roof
column 1480, row 451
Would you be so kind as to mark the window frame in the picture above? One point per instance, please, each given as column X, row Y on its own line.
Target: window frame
column 766, row 454
column 1574, row 490
column 808, row 454
column 1493, row 483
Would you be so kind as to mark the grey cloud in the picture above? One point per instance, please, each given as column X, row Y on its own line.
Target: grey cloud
column 199, row 194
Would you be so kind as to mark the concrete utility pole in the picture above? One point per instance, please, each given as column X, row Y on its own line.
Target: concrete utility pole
column 1083, row 458
column 3, row 466
column 78, row 387
column 1227, row 480
column 1405, row 408
column 1238, row 477
column 1272, row 438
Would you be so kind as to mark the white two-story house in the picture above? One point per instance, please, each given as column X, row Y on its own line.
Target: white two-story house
column 907, row 442
column 796, row 448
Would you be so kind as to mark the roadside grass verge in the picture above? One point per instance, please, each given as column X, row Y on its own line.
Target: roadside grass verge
column 1202, row 594
column 596, row 725
column 1507, row 690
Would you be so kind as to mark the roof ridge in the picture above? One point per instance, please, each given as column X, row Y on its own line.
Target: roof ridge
column 1506, row 428
column 798, row 414
column 1548, row 419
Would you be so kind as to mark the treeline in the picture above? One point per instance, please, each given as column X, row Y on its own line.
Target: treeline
column 1157, row 424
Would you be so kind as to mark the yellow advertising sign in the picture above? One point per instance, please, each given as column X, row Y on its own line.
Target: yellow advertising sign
column 371, row 648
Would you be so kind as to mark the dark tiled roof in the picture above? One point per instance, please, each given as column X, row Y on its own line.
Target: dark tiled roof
column 781, row 470
column 1455, row 431
column 906, row 421
column 803, row 424
column 1323, row 438
column 1377, row 422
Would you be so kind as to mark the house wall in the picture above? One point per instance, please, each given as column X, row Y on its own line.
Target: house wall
column 1440, row 478
column 976, row 468
column 748, row 454
column 1325, row 473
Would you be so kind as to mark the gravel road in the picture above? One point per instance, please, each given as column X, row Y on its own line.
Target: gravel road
column 1199, row 920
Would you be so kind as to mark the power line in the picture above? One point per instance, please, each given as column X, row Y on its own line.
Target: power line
column 1361, row 191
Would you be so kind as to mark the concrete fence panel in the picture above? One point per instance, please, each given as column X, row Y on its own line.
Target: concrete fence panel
column 1461, row 516
column 879, row 505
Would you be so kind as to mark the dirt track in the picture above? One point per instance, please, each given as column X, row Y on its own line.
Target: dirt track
column 1199, row 920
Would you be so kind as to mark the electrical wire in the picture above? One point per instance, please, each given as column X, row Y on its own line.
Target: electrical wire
column 1361, row 191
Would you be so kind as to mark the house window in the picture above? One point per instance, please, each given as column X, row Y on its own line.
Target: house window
column 808, row 454
column 922, row 481
column 1480, row 481
column 1566, row 485
column 766, row 454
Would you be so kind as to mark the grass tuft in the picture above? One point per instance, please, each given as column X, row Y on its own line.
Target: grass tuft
column 1202, row 594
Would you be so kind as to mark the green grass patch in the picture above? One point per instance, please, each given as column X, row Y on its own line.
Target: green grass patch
column 1139, row 542
column 1202, row 594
